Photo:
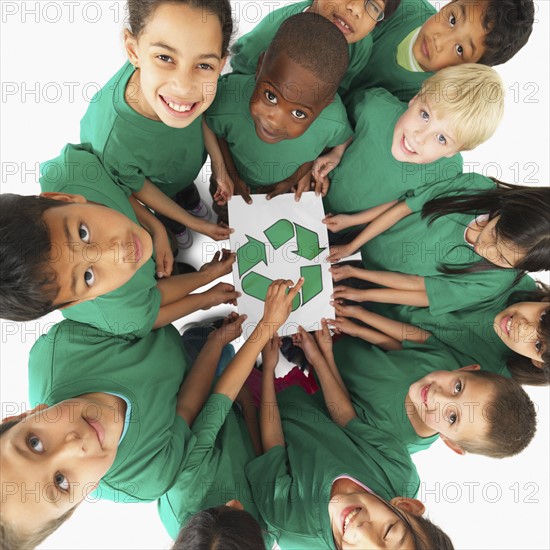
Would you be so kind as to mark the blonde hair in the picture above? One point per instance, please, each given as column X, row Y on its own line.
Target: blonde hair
column 470, row 97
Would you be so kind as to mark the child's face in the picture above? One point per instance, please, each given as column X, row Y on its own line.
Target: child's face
column 354, row 18
column 179, row 57
column 518, row 327
column 55, row 456
column 453, row 403
column 363, row 520
column 453, row 36
column 94, row 249
column 286, row 100
column 494, row 249
column 421, row 137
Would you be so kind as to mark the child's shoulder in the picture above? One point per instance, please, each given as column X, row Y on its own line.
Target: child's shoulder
column 374, row 102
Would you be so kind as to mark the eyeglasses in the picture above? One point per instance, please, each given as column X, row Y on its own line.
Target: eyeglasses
column 374, row 10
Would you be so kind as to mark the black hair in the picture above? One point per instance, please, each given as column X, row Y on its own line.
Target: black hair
column 509, row 24
column 314, row 43
column 141, row 10
column 28, row 285
column 524, row 221
column 221, row 528
column 390, row 7
column 521, row 367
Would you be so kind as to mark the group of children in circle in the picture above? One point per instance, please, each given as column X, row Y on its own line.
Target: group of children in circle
column 365, row 102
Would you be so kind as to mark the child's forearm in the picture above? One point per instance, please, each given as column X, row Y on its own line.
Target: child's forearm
column 339, row 150
column 391, row 279
column 271, row 428
column 180, row 308
column 179, row 286
column 335, row 393
column 145, row 217
column 383, row 341
column 195, row 389
column 213, row 149
column 418, row 298
column 383, row 221
column 397, row 330
column 250, row 415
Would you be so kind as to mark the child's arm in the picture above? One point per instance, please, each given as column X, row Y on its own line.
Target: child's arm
column 301, row 180
column 226, row 187
column 154, row 198
column 277, row 308
column 250, row 414
column 384, row 221
column 240, row 187
column 343, row 325
column 334, row 391
column 396, row 330
column 195, row 389
column 271, row 428
column 326, row 163
column 164, row 259
column 339, row 222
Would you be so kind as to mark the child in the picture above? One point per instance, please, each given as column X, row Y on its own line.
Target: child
column 509, row 335
column 333, row 481
column 355, row 19
column 214, row 469
column 410, row 153
column 111, row 418
column 417, row 41
column 273, row 126
column 146, row 123
column 472, row 248
column 422, row 392
column 78, row 248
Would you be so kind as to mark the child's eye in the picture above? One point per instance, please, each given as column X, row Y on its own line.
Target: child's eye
column 452, row 418
column 205, row 67
column 89, row 277
column 388, row 531
column 538, row 346
column 452, row 20
column 441, row 139
column 61, row 481
column 271, row 97
column 299, row 114
column 459, row 50
column 425, row 116
column 84, row 233
column 165, row 58
column 458, row 387
column 35, row 444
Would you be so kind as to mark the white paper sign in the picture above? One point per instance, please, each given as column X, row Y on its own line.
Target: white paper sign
column 281, row 239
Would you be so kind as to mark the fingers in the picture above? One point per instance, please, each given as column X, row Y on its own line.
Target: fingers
column 245, row 194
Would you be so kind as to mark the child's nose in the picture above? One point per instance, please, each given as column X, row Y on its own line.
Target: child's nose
column 356, row 7
column 183, row 83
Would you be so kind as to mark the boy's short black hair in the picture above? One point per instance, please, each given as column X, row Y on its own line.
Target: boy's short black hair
column 314, row 43
column 509, row 24
column 28, row 286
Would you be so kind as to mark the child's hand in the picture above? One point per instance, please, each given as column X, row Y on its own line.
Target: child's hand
column 341, row 272
column 220, row 264
column 339, row 252
column 278, row 301
column 164, row 258
column 270, row 354
column 222, row 293
column 324, row 165
column 343, row 325
column 230, row 329
column 337, row 222
column 348, row 293
column 323, row 337
column 305, row 341
column 279, row 189
column 304, row 184
column 216, row 231
column 225, row 190
column 240, row 188
column 343, row 310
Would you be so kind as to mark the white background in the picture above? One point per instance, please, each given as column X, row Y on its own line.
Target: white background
column 55, row 55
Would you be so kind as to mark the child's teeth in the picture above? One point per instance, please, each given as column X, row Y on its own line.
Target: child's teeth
column 350, row 516
column 509, row 325
column 179, row 108
column 407, row 146
column 343, row 23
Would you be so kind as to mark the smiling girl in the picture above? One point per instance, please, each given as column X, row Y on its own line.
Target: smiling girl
column 145, row 124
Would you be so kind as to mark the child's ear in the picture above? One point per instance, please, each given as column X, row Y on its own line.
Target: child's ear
column 260, row 63
column 64, row 197
column 130, row 45
column 538, row 364
column 470, row 367
column 410, row 505
column 452, row 445
column 412, row 100
column 23, row 415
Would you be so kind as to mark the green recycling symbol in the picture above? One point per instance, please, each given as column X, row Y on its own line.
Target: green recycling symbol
column 254, row 252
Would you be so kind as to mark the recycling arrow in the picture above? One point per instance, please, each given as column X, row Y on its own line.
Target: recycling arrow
column 279, row 233
column 256, row 285
column 313, row 282
column 308, row 243
column 250, row 254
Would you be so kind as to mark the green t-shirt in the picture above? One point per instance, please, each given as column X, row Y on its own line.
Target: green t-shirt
column 383, row 69
column 412, row 246
column 259, row 163
column 214, row 469
column 74, row 359
column 469, row 332
column 379, row 381
column 246, row 51
column 292, row 484
column 132, row 309
column 133, row 147
column 369, row 175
